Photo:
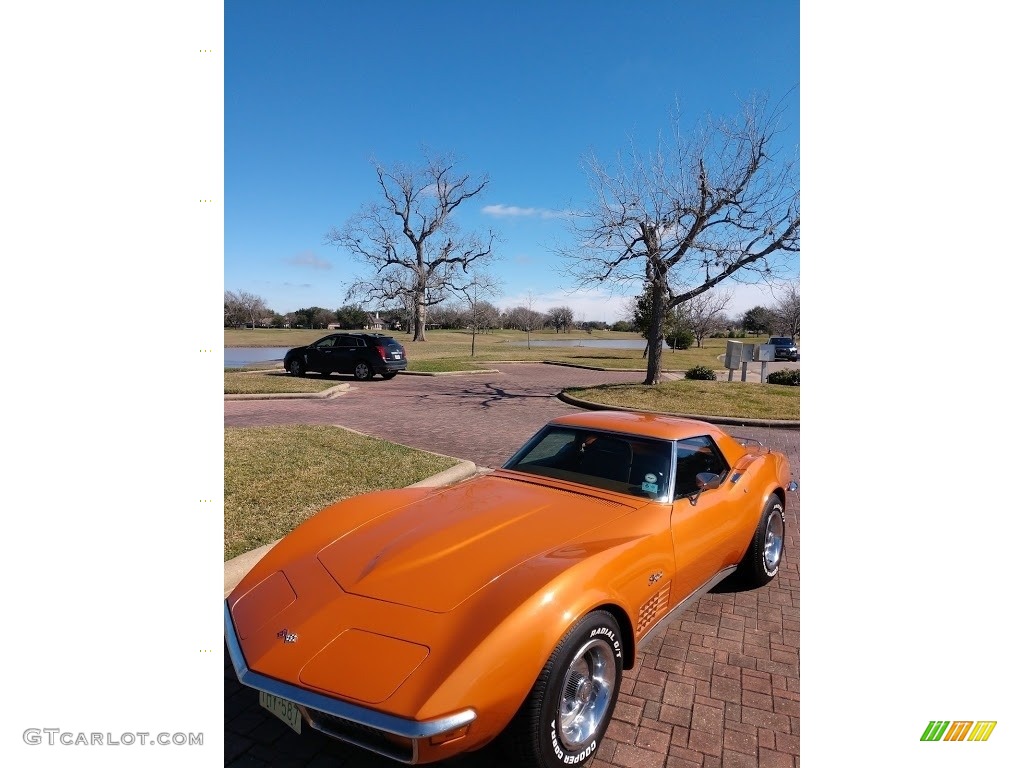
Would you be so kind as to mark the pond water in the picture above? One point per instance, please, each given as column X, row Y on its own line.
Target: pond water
column 595, row 343
column 238, row 357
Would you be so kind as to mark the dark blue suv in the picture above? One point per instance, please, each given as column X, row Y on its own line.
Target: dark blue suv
column 361, row 354
column 785, row 348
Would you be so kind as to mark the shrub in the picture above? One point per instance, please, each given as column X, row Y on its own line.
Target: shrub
column 786, row 376
column 701, row 372
column 681, row 340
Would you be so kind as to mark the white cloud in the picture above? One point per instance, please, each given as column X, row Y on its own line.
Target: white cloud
column 503, row 211
column 309, row 260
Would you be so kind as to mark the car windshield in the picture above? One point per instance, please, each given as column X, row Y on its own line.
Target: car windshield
column 624, row 463
column 781, row 341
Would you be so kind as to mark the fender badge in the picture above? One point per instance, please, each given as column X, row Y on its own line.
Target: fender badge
column 288, row 637
column 655, row 577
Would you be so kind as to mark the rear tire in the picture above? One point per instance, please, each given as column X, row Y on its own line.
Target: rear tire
column 362, row 371
column 762, row 561
column 568, row 710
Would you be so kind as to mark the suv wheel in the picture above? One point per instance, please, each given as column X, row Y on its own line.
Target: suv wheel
column 362, row 371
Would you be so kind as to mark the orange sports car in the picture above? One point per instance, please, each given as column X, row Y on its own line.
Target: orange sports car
column 421, row 623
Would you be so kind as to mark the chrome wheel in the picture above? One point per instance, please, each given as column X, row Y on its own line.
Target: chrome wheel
column 774, row 531
column 295, row 367
column 362, row 371
column 586, row 697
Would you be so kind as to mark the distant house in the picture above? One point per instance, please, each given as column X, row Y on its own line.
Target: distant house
column 334, row 326
column 375, row 323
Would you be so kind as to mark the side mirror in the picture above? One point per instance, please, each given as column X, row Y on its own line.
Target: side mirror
column 706, row 481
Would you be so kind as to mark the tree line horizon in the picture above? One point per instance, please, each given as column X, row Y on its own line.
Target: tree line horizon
column 701, row 319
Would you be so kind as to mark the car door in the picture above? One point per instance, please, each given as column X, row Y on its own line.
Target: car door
column 344, row 353
column 704, row 525
column 319, row 356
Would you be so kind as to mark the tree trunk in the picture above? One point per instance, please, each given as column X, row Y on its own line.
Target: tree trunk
column 655, row 333
column 421, row 319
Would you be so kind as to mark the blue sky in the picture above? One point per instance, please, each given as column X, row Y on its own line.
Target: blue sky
column 519, row 91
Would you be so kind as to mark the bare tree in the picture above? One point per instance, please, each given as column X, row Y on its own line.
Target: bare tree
column 786, row 313
column 704, row 313
column 246, row 305
column 531, row 319
column 693, row 213
column 479, row 312
column 561, row 318
column 448, row 315
column 524, row 318
column 410, row 239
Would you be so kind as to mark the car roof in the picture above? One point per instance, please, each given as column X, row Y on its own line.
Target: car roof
column 654, row 425
column 360, row 334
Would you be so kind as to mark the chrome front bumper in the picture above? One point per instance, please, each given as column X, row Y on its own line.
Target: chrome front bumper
column 394, row 737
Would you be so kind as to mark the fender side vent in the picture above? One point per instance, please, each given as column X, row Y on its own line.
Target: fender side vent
column 653, row 609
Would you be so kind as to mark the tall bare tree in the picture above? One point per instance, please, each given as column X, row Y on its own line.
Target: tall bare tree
column 692, row 213
column 410, row 240
column 786, row 312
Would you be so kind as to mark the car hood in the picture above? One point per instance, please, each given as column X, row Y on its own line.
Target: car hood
column 381, row 576
column 436, row 552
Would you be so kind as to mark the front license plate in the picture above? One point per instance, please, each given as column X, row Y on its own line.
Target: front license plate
column 286, row 711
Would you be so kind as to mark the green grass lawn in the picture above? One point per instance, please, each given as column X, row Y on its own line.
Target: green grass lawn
column 706, row 398
column 276, row 477
column 276, row 382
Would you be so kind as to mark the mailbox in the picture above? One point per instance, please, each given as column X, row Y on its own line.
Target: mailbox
column 733, row 354
column 765, row 353
column 737, row 353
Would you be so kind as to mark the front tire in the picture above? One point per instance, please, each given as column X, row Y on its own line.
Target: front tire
column 762, row 561
column 568, row 710
column 362, row 371
column 296, row 368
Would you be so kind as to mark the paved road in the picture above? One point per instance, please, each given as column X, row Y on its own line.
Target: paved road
column 719, row 688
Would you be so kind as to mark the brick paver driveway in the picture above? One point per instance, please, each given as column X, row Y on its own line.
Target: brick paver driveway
column 719, row 688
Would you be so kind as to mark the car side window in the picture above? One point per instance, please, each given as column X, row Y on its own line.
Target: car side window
column 324, row 343
column 345, row 343
column 694, row 456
